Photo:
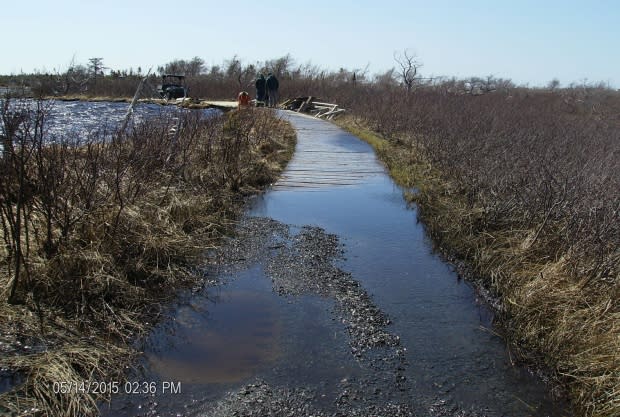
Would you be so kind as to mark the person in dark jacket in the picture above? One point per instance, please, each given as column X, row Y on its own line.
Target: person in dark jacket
column 261, row 88
column 272, row 89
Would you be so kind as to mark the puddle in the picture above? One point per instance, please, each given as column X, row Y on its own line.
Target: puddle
column 223, row 337
column 222, row 343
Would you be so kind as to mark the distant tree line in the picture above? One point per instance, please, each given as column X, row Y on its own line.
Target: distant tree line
column 224, row 81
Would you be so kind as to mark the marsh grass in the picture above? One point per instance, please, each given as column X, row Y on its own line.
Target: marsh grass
column 100, row 232
column 541, row 233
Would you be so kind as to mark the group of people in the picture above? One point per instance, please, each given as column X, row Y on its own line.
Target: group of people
column 267, row 90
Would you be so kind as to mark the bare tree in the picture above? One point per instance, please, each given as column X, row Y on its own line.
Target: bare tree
column 553, row 85
column 360, row 74
column 280, row 67
column 74, row 79
column 191, row 68
column 195, row 66
column 386, row 79
column 408, row 67
column 177, row 66
column 234, row 70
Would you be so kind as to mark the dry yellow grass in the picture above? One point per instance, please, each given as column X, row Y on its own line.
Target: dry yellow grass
column 82, row 306
column 551, row 316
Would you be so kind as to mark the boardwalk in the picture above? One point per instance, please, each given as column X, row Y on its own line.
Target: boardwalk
column 321, row 160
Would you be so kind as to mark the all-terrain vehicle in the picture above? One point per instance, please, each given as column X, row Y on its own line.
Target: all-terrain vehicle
column 172, row 86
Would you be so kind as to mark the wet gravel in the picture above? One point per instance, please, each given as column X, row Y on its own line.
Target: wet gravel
column 307, row 266
column 261, row 400
column 304, row 261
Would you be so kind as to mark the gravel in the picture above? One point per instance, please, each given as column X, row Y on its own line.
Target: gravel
column 303, row 261
column 261, row 400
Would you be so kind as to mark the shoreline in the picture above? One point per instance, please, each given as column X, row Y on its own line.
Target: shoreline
column 189, row 102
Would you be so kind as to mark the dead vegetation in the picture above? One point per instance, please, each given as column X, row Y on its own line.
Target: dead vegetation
column 99, row 231
column 524, row 187
column 522, row 183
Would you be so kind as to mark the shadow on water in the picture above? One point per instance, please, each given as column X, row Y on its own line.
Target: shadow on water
column 224, row 337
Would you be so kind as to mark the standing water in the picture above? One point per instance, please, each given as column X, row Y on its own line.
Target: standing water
column 253, row 327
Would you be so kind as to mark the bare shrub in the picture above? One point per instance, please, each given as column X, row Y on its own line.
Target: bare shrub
column 524, row 185
column 98, row 231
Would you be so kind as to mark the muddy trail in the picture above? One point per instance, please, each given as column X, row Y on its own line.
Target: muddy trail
column 330, row 301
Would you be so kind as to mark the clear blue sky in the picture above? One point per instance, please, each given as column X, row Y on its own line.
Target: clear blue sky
column 527, row 41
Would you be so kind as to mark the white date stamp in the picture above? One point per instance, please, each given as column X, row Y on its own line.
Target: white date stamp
column 116, row 387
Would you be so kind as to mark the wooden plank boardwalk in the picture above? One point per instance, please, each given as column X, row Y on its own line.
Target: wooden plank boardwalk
column 222, row 105
column 326, row 156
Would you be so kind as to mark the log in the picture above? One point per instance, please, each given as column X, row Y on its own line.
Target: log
column 325, row 104
column 311, row 105
column 305, row 105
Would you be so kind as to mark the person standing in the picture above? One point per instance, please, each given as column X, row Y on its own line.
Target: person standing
column 272, row 89
column 261, row 86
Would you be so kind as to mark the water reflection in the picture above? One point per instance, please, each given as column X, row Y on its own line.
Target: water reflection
column 83, row 118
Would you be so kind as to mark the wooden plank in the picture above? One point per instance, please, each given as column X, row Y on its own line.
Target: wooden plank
column 335, row 113
column 305, row 105
column 324, row 104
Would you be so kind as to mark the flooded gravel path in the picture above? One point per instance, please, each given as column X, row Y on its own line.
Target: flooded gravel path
column 331, row 302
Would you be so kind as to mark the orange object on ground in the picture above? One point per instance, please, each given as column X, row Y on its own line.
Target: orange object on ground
column 243, row 100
